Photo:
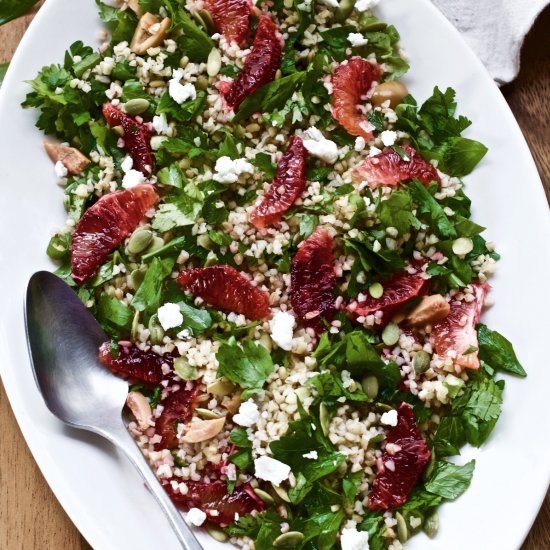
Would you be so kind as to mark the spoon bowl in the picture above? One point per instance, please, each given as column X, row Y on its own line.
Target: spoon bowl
column 64, row 340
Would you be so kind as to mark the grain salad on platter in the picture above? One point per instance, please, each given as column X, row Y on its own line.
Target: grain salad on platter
column 275, row 237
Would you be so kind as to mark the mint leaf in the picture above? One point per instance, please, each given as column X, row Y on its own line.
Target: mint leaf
column 148, row 295
column 497, row 351
column 330, row 388
column 198, row 320
column 432, row 210
column 449, row 480
column 458, row 156
column 248, row 365
column 184, row 112
column 114, row 316
column 449, row 436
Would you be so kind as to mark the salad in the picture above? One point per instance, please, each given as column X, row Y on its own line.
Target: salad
column 275, row 237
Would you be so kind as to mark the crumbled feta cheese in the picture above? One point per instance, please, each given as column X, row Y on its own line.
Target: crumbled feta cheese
column 282, row 329
column 272, row 470
column 180, row 92
column 195, row 517
column 320, row 147
column 312, row 455
column 127, row 164
column 364, row 5
column 60, row 169
column 169, row 316
column 360, row 143
column 132, row 178
column 352, row 539
column 228, row 171
column 160, row 124
column 357, row 39
column 248, row 414
column 388, row 137
column 389, row 418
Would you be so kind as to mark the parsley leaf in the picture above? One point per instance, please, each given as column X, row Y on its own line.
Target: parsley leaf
column 432, row 210
column 497, row 351
column 172, row 176
column 449, row 480
column 248, row 365
column 179, row 209
column 198, row 320
column 148, row 295
column 396, row 212
column 114, row 316
column 330, row 388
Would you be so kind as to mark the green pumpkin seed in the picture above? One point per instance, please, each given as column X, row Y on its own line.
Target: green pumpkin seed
column 370, row 386
column 221, row 387
column 376, row 290
column 292, row 539
column 430, row 467
column 156, row 331
column 208, row 21
column 198, row 19
column 431, row 525
column 211, row 259
column 281, row 493
column 344, row 9
column 205, row 242
column 136, row 106
column 402, row 529
column 278, row 74
column 324, row 419
column 136, row 278
column 118, row 130
column 214, row 62
column 390, row 334
column 135, row 326
column 140, row 240
column 207, row 414
column 266, row 497
column 302, row 392
column 184, row 370
column 202, row 82
column 156, row 243
column 216, row 534
column 421, row 361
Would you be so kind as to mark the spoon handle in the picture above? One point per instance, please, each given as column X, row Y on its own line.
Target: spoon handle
column 124, row 441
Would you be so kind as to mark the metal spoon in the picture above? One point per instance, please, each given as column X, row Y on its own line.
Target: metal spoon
column 64, row 339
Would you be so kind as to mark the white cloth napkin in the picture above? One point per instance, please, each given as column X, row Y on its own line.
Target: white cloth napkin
column 495, row 30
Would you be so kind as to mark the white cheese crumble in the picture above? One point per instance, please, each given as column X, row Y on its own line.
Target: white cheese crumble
column 169, row 316
column 180, row 92
column 389, row 418
column 195, row 517
column 132, row 178
column 320, row 147
column 282, row 329
column 388, row 137
column 248, row 414
column 272, row 470
column 228, row 171
column 127, row 164
column 312, row 455
column 60, row 169
column 357, row 39
column 352, row 539
column 364, row 5
column 160, row 124
column 360, row 143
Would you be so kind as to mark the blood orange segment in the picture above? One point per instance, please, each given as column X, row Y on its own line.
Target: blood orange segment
column 135, row 364
column 232, row 18
column 398, row 290
column 312, row 280
column 178, row 408
column 215, row 501
column 457, row 332
column 288, row 185
column 390, row 168
column 399, row 470
column 260, row 64
column 105, row 225
column 224, row 288
column 137, row 137
column 351, row 83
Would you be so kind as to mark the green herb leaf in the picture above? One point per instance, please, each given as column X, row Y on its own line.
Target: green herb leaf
column 396, row 212
column 11, row 9
column 434, row 212
column 3, row 70
column 148, row 295
column 330, row 388
column 497, row 351
column 172, row 176
column 248, row 365
column 198, row 320
column 458, row 156
column 449, row 480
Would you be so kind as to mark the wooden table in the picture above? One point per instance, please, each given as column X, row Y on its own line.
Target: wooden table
column 30, row 516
